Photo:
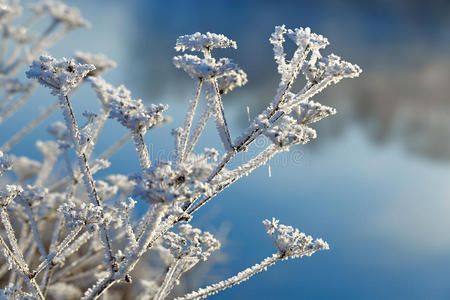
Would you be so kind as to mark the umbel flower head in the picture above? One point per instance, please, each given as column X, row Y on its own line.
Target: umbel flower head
column 8, row 193
column 205, row 68
column 168, row 184
column 290, row 242
column 229, row 75
column 203, row 42
column 84, row 214
column 60, row 75
column 289, row 132
column 134, row 115
column 69, row 16
column 191, row 242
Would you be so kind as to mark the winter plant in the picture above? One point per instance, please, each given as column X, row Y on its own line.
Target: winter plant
column 72, row 235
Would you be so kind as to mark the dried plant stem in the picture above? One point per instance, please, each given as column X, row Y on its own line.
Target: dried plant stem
column 142, row 151
column 169, row 280
column 188, row 122
column 215, row 100
column 87, row 176
column 16, row 256
column 201, row 123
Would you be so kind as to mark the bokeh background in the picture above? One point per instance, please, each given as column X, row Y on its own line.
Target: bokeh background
column 375, row 184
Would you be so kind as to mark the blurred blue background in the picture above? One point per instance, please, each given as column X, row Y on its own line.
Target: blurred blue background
column 375, row 184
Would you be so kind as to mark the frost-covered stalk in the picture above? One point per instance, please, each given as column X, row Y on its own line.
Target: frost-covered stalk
column 188, row 122
column 215, row 101
column 199, row 129
column 142, row 151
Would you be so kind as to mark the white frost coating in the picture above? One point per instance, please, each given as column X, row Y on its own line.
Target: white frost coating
column 69, row 16
column 277, row 40
column 203, row 42
column 60, row 76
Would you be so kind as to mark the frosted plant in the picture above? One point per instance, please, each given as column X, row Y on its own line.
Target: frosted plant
column 69, row 232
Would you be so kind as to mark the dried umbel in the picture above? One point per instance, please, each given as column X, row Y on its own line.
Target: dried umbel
column 69, row 16
column 61, row 76
column 68, row 230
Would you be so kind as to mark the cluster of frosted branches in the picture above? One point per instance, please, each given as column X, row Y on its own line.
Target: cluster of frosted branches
column 289, row 242
column 67, row 232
